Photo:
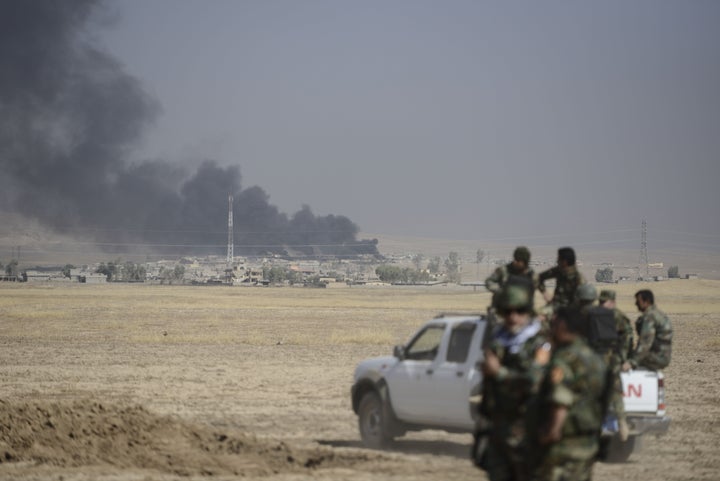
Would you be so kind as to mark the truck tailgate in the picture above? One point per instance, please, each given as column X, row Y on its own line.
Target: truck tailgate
column 640, row 392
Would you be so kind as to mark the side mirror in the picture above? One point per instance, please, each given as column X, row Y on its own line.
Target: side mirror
column 399, row 351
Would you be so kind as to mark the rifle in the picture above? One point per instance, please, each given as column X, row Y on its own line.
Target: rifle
column 604, row 441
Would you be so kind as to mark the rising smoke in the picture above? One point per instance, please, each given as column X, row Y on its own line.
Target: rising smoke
column 69, row 119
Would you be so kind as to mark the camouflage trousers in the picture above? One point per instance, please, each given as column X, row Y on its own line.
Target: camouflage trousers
column 505, row 462
column 616, row 404
column 568, row 471
column 655, row 361
column 571, row 459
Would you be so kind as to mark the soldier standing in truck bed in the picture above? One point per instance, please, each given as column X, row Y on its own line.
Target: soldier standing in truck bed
column 520, row 267
column 620, row 357
column 607, row 334
column 567, row 279
column 517, row 272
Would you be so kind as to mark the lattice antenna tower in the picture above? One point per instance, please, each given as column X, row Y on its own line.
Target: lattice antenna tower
column 643, row 265
column 230, row 246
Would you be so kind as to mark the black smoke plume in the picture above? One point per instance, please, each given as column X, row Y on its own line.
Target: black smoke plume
column 69, row 119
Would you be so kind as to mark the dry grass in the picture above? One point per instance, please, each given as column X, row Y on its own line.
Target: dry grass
column 266, row 316
column 255, row 316
column 676, row 296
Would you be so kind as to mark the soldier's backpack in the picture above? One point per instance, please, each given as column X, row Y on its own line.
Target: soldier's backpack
column 600, row 329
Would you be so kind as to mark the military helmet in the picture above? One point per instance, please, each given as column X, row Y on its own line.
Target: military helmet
column 514, row 297
column 607, row 295
column 522, row 254
column 586, row 292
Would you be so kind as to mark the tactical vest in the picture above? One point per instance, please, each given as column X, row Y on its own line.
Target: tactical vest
column 505, row 400
column 601, row 329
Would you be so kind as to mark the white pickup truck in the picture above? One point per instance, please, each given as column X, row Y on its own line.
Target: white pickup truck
column 432, row 382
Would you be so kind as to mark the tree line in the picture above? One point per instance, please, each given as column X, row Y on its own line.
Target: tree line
column 395, row 274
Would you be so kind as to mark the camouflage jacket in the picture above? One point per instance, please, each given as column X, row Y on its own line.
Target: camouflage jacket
column 566, row 282
column 577, row 379
column 625, row 335
column 506, row 396
column 654, row 346
column 495, row 282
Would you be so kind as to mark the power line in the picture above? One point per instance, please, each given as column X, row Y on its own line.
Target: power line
column 694, row 234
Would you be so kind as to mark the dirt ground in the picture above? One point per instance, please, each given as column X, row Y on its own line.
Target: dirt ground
column 128, row 383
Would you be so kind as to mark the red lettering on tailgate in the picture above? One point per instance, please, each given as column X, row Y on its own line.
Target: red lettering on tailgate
column 633, row 391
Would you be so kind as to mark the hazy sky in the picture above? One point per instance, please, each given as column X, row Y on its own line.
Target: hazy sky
column 457, row 119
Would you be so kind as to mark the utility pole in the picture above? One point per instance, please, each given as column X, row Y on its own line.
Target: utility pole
column 230, row 246
column 643, row 264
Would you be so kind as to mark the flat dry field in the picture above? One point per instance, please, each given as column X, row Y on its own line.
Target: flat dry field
column 134, row 382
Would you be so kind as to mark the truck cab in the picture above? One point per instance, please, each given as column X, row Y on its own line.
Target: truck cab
column 426, row 384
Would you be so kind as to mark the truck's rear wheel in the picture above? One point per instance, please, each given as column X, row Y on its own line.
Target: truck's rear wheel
column 372, row 421
column 620, row 451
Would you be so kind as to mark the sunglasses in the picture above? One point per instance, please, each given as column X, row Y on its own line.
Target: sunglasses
column 522, row 310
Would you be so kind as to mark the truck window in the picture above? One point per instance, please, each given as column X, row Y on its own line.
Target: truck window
column 459, row 346
column 426, row 344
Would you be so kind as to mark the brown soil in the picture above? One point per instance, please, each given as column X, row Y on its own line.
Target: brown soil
column 86, row 433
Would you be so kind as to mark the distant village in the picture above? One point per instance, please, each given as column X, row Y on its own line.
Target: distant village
column 210, row 270
column 216, row 270
column 399, row 269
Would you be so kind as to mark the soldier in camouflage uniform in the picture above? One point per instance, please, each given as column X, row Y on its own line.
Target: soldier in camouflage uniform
column 613, row 354
column 624, row 348
column 520, row 266
column 545, row 314
column 512, row 368
column 654, row 330
column 567, row 279
column 574, row 392
column 607, row 299
column 516, row 272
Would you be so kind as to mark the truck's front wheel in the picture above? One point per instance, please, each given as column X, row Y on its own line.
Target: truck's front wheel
column 372, row 421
